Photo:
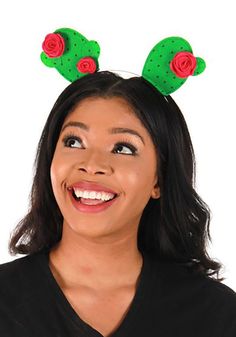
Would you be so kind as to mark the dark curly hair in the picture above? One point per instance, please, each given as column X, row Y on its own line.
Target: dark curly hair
column 173, row 228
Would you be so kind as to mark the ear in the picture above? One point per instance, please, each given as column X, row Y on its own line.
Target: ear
column 156, row 193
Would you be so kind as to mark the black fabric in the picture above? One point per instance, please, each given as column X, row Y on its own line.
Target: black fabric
column 169, row 301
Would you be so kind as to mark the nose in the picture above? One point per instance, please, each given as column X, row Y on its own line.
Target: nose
column 95, row 163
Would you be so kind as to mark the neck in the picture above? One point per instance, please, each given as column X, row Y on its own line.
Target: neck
column 96, row 263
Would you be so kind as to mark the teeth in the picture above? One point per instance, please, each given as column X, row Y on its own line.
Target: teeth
column 93, row 195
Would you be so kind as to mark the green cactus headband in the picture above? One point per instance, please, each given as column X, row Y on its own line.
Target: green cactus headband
column 167, row 67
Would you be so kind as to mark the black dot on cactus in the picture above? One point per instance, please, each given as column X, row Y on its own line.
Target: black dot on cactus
column 173, row 41
column 75, row 44
column 89, row 50
column 67, row 49
column 54, row 63
column 181, row 47
column 163, row 46
column 76, row 55
column 82, row 40
column 172, row 87
column 158, row 65
column 164, row 81
column 174, row 78
column 68, row 60
column 160, row 55
column 150, row 60
column 167, row 72
column 149, row 69
column 74, row 33
column 157, row 76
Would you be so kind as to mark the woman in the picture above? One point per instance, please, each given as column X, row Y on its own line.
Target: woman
column 128, row 258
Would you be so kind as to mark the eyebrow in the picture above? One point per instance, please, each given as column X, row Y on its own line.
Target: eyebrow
column 111, row 131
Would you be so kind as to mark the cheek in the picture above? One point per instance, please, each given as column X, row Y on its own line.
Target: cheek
column 137, row 177
column 58, row 173
column 54, row 179
column 53, row 174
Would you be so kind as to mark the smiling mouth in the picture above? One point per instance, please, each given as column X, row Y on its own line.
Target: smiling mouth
column 90, row 201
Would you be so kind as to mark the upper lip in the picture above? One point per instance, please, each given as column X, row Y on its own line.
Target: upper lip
column 92, row 186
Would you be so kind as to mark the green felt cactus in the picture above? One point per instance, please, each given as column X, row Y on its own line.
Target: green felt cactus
column 167, row 67
column 169, row 64
column 70, row 53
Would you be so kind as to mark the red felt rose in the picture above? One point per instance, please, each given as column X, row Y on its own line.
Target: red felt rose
column 183, row 64
column 53, row 45
column 87, row 65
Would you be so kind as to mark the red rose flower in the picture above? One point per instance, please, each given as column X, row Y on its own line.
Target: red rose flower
column 183, row 64
column 53, row 45
column 87, row 65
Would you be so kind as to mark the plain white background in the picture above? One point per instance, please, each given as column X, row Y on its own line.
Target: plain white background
column 126, row 32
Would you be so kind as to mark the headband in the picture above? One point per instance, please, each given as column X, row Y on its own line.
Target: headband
column 167, row 67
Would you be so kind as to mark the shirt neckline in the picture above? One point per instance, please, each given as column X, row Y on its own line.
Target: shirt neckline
column 135, row 310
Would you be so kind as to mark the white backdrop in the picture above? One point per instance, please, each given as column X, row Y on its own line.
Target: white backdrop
column 126, row 32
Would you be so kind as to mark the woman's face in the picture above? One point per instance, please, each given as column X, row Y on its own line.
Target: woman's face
column 97, row 155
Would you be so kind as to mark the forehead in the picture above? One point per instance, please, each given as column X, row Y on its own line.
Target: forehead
column 105, row 111
column 108, row 115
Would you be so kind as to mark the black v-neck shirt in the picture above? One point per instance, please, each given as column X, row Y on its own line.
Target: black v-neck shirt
column 170, row 301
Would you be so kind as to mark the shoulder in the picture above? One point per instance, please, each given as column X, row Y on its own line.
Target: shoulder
column 181, row 277
column 215, row 303
column 9, row 270
column 193, row 298
column 18, row 282
column 18, row 277
column 179, row 282
column 12, row 268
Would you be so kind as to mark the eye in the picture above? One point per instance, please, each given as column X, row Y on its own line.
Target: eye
column 129, row 146
column 71, row 141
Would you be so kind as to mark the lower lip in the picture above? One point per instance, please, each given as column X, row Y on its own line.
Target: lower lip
column 91, row 208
